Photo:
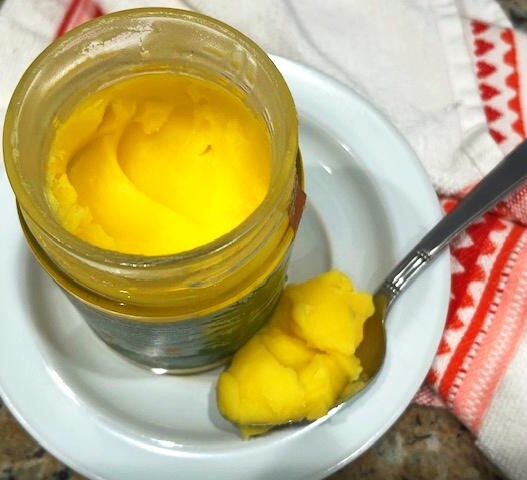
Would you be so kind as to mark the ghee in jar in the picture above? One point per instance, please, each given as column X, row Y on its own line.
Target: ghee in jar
column 116, row 144
column 157, row 164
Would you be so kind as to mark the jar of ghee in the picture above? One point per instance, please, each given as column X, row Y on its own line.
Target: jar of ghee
column 182, row 312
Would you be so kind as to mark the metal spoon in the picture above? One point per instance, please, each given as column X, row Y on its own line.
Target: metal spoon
column 504, row 178
column 510, row 173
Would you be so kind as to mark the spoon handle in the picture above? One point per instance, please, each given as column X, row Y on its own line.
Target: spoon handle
column 504, row 178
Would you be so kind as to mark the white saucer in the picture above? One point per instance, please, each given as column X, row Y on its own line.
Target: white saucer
column 369, row 201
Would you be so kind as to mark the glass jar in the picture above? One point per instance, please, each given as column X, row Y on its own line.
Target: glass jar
column 188, row 311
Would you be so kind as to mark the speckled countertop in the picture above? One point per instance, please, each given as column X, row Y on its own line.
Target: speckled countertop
column 426, row 444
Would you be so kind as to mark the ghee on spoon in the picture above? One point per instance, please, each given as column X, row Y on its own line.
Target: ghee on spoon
column 504, row 178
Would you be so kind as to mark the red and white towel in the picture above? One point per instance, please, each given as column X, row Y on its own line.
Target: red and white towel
column 452, row 75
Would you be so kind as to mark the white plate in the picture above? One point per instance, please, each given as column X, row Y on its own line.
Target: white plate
column 369, row 201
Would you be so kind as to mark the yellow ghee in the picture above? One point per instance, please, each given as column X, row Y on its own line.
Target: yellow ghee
column 158, row 164
column 303, row 361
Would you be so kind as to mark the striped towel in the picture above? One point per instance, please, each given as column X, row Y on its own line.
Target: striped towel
column 452, row 75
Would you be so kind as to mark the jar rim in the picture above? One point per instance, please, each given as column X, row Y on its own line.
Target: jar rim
column 111, row 257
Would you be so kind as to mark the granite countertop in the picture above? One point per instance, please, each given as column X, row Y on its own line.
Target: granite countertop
column 427, row 443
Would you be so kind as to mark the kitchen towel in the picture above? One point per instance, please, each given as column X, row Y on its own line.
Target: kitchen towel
column 448, row 73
